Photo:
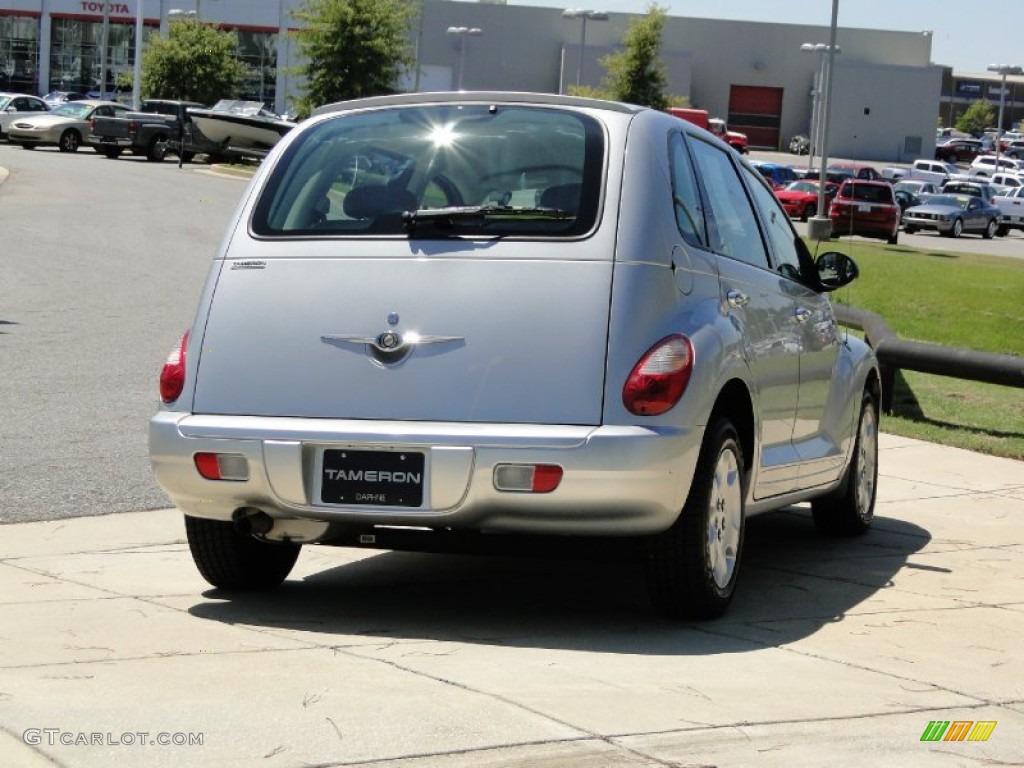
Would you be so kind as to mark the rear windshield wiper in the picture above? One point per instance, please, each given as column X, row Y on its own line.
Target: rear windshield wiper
column 448, row 220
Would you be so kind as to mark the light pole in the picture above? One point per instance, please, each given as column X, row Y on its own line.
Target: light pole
column 821, row 49
column 583, row 16
column 1004, row 70
column 820, row 226
column 461, row 33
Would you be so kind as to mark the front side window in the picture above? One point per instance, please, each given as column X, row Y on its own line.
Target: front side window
column 439, row 171
column 780, row 232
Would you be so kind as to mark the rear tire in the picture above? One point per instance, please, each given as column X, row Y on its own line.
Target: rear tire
column 692, row 567
column 232, row 561
column 157, row 149
column 893, row 239
column 110, row 152
column 990, row 229
column 809, row 210
column 850, row 508
column 910, row 230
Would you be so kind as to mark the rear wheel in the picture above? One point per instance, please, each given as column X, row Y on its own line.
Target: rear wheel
column 26, row 145
column 850, row 508
column 70, row 141
column 233, row 561
column 990, row 229
column 692, row 567
column 893, row 238
column 910, row 230
column 157, row 149
column 112, row 152
column 809, row 210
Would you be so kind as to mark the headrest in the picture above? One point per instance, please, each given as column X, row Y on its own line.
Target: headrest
column 371, row 200
column 564, row 197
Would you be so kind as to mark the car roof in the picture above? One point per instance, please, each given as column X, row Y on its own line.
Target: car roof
column 461, row 97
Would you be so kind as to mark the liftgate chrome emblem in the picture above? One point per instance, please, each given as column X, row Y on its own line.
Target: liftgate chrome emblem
column 389, row 347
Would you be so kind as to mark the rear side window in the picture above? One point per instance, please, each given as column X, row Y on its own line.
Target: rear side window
column 467, row 169
column 871, row 193
column 685, row 195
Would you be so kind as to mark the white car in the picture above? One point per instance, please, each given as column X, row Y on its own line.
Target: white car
column 514, row 314
column 15, row 105
column 985, row 165
column 1011, row 206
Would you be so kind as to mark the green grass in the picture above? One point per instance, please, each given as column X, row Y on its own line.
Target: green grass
column 957, row 300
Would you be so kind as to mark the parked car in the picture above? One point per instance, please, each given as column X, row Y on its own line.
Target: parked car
column 938, row 172
column 777, row 175
column 1011, row 210
column 692, row 377
column 865, row 208
column 986, row 165
column 153, row 131
column 975, row 188
column 800, row 198
column 14, row 105
column 952, row 215
column 65, row 126
column 916, row 187
column 906, row 199
column 53, row 98
column 1014, row 149
column 1004, row 180
column 855, row 171
column 958, row 150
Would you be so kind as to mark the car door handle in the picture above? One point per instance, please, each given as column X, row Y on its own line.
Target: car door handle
column 802, row 314
column 737, row 299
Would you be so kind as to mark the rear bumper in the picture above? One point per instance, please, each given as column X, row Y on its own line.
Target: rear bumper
column 617, row 480
column 122, row 142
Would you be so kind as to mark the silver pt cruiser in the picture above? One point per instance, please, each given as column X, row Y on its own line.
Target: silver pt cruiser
column 479, row 315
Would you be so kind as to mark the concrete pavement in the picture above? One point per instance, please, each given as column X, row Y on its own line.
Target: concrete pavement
column 115, row 652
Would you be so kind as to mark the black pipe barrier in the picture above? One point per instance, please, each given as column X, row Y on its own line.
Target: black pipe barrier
column 894, row 353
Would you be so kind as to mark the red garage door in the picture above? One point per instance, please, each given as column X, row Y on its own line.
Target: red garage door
column 757, row 112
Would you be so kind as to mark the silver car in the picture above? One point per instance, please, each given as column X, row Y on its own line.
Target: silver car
column 450, row 319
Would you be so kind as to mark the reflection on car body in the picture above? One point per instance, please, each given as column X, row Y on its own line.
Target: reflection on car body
column 527, row 314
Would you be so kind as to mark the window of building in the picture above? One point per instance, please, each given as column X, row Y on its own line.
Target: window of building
column 19, row 53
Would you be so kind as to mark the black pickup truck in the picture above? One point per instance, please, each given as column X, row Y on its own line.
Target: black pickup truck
column 157, row 128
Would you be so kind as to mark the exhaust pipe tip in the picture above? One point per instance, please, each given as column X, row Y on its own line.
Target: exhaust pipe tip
column 250, row 522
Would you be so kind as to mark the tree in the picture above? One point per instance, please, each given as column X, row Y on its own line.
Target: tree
column 976, row 118
column 352, row 49
column 636, row 74
column 195, row 62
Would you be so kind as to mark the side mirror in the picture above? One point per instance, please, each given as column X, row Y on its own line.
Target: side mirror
column 835, row 270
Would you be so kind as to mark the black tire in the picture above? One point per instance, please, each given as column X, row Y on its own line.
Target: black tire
column 157, row 149
column 990, row 229
column 910, row 230
column 809, row 210
column 894, row 238
column 954, row 158
column 26, row 145
column 188, row 157
column 850, row 508
column 110, row 152
column 232, row 561
column 692, row 567
column 956, row 230
column 69, row 141
column 1002, row 231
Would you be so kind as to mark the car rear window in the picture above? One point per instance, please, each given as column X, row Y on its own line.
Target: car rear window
column 466, row 169
column 872, row 193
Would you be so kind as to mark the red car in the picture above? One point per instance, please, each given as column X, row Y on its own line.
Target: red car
column 866, row 208
column 800, row 198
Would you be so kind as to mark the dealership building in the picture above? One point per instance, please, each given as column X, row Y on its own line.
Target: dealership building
column 760, row 77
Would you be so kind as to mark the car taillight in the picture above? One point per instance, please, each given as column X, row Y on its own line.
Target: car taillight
column 133, row 127
column 222, row 466
column 172, row 375
column 659, row 379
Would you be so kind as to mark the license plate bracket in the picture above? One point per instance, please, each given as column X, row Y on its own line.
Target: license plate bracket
column 372, row 478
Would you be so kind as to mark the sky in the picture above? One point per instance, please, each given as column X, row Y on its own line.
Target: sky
column 967, row 36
